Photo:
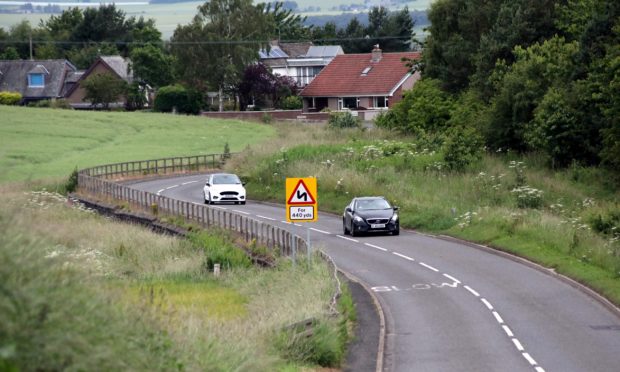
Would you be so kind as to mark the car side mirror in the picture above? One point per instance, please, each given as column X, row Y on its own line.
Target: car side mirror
column 207, row 184
column 349, row 210
column 243, row 183
column 395, row 209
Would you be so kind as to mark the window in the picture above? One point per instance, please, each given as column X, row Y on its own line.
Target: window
column 350, row 102
column 380, row 102
column 366, row 71
column 36, row 80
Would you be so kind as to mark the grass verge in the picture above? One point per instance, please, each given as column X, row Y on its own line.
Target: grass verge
column 83, row 292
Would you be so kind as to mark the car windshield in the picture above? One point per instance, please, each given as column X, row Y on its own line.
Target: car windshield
column 366, row 204
column 225, row 179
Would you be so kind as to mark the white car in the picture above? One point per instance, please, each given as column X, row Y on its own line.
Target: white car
column 224, row 187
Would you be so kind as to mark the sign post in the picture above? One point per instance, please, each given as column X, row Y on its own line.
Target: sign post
column 301, row 203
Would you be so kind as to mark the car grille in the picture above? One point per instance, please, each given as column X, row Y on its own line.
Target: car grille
column 229, row 193
column 377, row 220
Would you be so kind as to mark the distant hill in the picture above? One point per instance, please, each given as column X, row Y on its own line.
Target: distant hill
column 342, row 20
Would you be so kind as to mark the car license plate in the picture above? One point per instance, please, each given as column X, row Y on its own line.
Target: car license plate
column 377, row 225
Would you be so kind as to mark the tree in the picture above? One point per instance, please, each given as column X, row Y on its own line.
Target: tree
column 288, row 26
column 522, row 88
column 151, row 64
column 221, row 41
column 103, row 89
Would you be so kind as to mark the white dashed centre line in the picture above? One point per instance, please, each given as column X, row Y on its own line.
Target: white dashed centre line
column 377, row 247
column 215, row 206
column 487, row 303
column 472, row 291
column 517, row 344
column 286, row 222
column 508, row 331
column 498, row 318
column 403, row 256
column 267, row 218
column 429, row 267
column 452, row 278
column 187, row 183
column 345, row 238
column 238, row 211
column 160, row 191
column 529, row 359
column 539, row 369
column 321, row 231
column 171, row 187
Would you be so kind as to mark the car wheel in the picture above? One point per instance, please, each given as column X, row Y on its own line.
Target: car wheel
column 353, row 233
column 344, row 228
column 209, row 201
column 242, row 203
column 396, row 232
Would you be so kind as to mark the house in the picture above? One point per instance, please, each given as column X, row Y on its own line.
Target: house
column 300, row 61
column 117, row 66
column 360, row 82
column 37, row 80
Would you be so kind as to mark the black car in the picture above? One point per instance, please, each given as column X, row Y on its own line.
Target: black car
column 370, row 214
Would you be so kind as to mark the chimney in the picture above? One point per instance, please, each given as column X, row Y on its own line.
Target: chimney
column 376, row 54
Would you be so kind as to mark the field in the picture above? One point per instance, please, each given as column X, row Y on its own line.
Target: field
column 39, row 143
column 168, row 16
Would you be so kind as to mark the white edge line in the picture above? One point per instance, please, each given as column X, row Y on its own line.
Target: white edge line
column 529, row 359
column 267, row 218
column 375, row 246
column 344, row 237
column 508, row 331
column 238, row 211
column 286, row 222
column 487, row 303
column 403, row 256
column 471, row 290
column 517, row 344
column 160, row 191
column 215, row 206
column 298, row 225
column 452, row 278
column 429, row 267
column 171, row 187
column 321, row 231
column 498, row 318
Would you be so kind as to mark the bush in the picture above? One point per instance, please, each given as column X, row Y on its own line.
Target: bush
column 72, row 181
column 177, row 97
column 462, row 147
column 342, row 120
column 10, row 98
column 528, row 197
column 51, row 103
column 291, row 103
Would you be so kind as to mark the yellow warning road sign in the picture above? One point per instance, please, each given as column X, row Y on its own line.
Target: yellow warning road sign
column 301, row 199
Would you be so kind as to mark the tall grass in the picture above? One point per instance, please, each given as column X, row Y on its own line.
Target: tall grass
column 567, row 219
column 82, row 292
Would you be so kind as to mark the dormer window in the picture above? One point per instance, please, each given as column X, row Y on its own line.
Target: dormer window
column 36, row 77
column 36, row 80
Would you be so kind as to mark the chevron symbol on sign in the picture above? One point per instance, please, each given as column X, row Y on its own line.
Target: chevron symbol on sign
column 301, row 195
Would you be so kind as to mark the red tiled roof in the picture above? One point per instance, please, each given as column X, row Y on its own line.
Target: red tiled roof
column 343, row 76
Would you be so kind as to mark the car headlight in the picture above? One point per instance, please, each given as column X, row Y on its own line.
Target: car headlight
column 394, row 217
column 358, row 219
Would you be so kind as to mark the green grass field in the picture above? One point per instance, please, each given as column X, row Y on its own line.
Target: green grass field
column 44, row 143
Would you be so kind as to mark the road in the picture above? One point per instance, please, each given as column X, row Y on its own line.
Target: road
column 451, row 306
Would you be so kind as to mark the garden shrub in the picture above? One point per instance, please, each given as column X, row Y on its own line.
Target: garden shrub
column 10, row 98
column 291, row 103
column 342, row 120
column 171, row 97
